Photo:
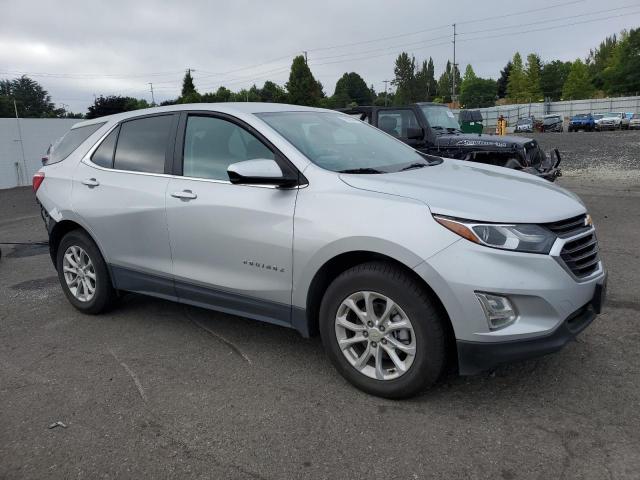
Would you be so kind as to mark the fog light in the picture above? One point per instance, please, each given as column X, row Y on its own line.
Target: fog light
column 498, row 310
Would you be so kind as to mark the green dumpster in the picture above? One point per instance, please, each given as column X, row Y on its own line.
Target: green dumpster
column 470, row 121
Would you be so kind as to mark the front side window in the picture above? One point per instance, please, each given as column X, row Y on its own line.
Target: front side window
column 142, row 144
column 71, row 140
column 396, row 122
column 440, row 118
column 340, row 143
column 212, row 144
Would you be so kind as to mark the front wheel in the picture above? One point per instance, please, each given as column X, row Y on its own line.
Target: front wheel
column 383, row 331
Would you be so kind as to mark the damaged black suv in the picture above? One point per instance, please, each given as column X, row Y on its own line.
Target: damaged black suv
column 432, row 128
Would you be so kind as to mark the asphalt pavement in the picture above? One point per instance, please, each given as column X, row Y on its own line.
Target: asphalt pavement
column 157, row 390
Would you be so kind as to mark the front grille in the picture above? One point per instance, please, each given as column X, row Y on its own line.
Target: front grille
column 570, row 226
column 581, row 255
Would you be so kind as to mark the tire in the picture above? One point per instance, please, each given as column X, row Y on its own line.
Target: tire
column 78, row 245
column 412, row 301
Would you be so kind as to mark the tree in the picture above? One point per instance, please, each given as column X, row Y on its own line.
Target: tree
column 405, row 79
column 114, row 104
column 552, row 78
column 351, row 88
column 622, row 75
column 189, row 93
column 32, row 101
column 425, row 82
column 517, row 83
column 476, row 92
column 504, row 78
column 532, row 75
column 444, row 85
column 600, row 58
column 273, row 93
column 303, row 88
column 578, row 84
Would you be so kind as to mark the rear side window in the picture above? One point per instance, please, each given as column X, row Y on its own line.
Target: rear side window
column 396, row 122
column 142, row 144
column 103, row 156
column 71, row 140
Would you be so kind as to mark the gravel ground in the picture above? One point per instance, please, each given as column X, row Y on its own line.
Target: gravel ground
column 157, row 390
column 611, row 155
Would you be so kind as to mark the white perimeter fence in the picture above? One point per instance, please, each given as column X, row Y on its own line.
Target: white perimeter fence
column 567, row 109
column 23, row 143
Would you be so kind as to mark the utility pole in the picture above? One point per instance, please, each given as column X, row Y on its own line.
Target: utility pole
column 305, row 56
column 386, row 82
column 24, row 160
column 453, row 82
column 153, row 100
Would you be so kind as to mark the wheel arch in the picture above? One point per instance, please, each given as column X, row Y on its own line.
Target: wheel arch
column 57, row 233
column 346, row 260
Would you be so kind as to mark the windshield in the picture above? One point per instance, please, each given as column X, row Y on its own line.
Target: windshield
column 550, row 120
column 581, row 115
column 524, row 121
column 440, row 117
column 611, row 114
column 340, row 143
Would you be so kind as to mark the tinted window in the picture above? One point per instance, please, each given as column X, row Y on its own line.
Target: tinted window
column 396, row 122
column 103, row 156
column 142, row 144
column 440, row 117
column 72, row 140
column 212, row 144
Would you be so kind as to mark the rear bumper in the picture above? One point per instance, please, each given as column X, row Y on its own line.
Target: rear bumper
column 475, row 357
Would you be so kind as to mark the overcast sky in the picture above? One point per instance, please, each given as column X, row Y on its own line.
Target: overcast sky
column 76, row 49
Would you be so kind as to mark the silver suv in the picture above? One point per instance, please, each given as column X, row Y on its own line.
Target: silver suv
column 313, row 220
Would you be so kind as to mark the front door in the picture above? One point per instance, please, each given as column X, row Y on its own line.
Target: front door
column 231, row 244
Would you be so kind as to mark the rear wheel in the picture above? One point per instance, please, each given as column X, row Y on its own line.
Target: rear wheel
column 83, row 274
column 383, row 331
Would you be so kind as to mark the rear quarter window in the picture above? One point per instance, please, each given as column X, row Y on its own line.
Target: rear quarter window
column 70, row 142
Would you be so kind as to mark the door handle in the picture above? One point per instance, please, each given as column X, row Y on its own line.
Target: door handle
column 90, row 182
column 184, row 195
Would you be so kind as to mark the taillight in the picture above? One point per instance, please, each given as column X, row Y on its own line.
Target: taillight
column 38, row 178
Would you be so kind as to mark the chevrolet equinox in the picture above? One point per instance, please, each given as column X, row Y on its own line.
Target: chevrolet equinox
column 310, row 219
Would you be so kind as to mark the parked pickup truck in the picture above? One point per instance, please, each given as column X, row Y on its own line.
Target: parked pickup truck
column 432, row 128
column 582, row 121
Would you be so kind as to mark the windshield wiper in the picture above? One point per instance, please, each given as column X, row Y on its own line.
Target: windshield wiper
column 453, row 129
column 361, row 170
column 415, row 165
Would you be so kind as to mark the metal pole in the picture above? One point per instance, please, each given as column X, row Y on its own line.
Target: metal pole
column 386, row 83
column 24, row 160
column 453, row 83
column 305, row 57
column 153, row 100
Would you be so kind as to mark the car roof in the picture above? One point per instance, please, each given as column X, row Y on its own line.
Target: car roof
column 227, row 107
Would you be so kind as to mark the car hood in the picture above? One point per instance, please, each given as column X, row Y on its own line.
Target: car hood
column 479, row 140
column 477, row 192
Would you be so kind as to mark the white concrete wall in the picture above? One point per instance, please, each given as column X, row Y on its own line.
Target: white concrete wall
column 37, row 135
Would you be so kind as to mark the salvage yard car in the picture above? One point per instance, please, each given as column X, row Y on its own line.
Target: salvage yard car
column 634, row 123
column 552, row 123
column 524, row 125
column 313, row 220
column 433, row 129
column 582, row 121
column 610, row 121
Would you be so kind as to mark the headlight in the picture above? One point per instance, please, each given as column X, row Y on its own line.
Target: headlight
column 519, row 237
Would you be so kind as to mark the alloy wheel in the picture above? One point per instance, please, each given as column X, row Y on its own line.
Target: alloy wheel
column 375, row 335
column 79, row 273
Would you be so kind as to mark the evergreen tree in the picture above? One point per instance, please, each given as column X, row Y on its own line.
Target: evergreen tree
column 273, row 93
column 302, row 87
column 552, row 78
column 532, row 74
column 503, row 80
column 600, row 58
column 405, row 79
column 578, row 84
column 189, row 93
column 517, row 83
column 425, row 82
column 476, row 92
column 113, row 104
column 444, row 85
column 32, row 101
column 351, row 88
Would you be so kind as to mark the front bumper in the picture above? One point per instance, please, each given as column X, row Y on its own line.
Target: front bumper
column 475, row 357
column 552, row 305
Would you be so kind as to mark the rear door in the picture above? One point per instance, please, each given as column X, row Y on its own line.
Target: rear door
column 119, row 191
column 397, row 121
column 231, row 244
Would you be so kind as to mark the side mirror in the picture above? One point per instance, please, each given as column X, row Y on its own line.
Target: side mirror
column 415, row 133
column 260, row 172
